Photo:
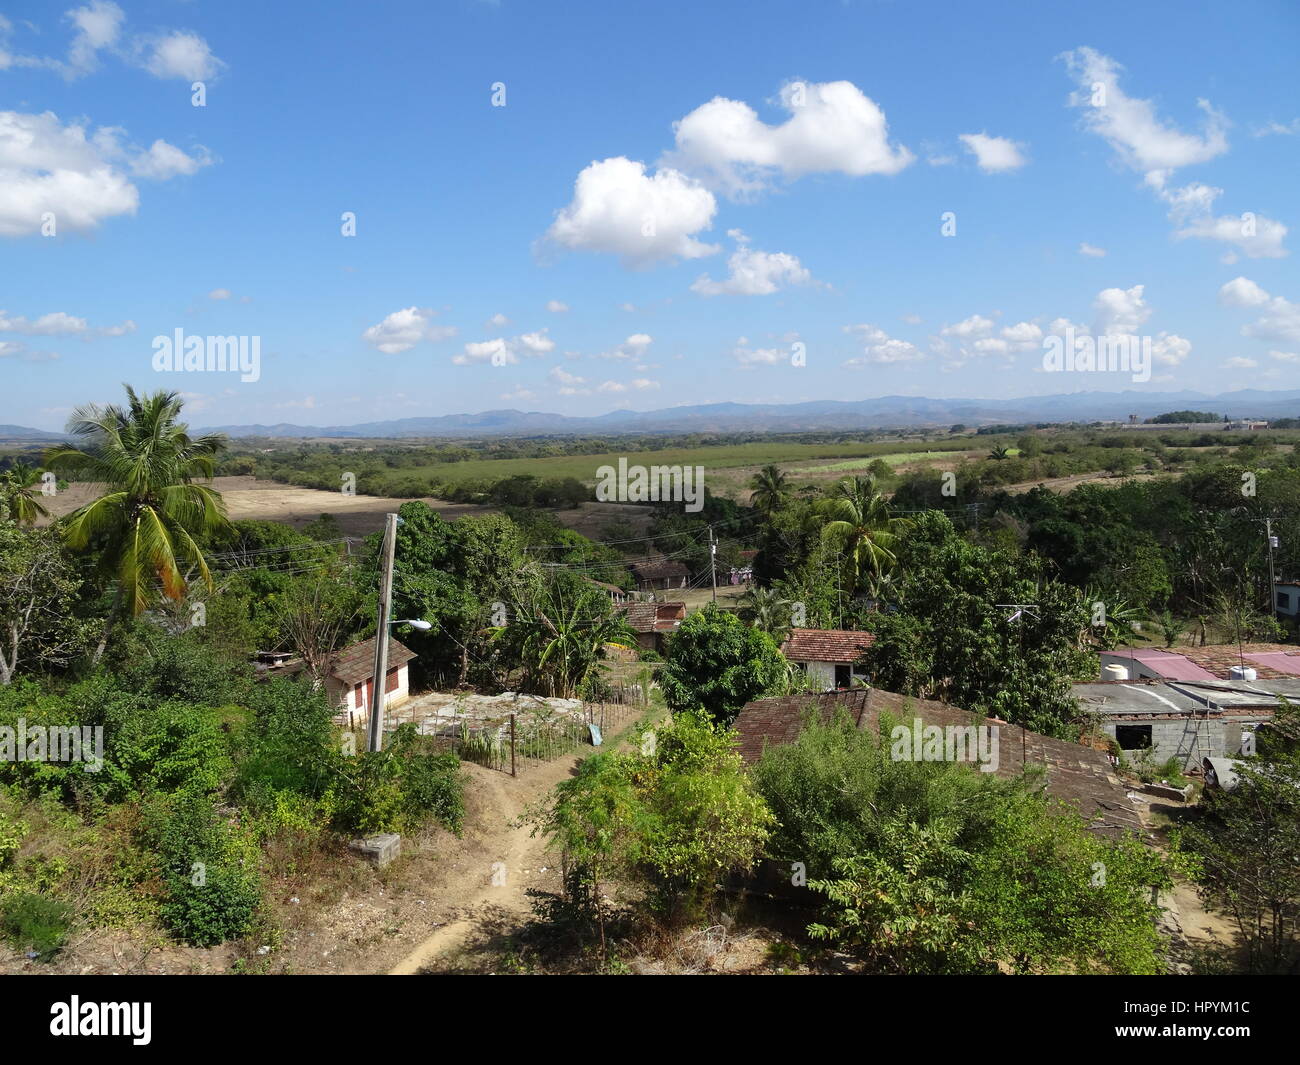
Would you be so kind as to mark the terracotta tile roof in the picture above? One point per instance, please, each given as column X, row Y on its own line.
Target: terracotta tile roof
column 1079, row 775
column 354, row 664
column 653, row 571
column 654, row 617
column 825, row 645
column 1219, row 660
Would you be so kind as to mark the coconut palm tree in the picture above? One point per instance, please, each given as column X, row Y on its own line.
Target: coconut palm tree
column 17, row 490
column 770, row 490
column 767, row 609
column 152, row 509
column 857, row 520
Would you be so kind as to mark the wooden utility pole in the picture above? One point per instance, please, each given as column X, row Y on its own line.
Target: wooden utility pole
column 380, row 697
column 713, row 569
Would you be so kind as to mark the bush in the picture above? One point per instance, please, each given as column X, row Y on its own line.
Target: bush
column 400, row 787
column 207, row 866
column 36, row 923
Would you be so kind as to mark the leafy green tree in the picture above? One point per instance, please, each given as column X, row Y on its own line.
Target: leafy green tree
column 147, row 524
column 717, row 663
column 38, row 588
column 675, row 816
column 954, row 637
column 767, row 609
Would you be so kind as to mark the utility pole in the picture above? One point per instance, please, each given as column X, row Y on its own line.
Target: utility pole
column 1272, row 591
column 380, row 697
column 713, row 569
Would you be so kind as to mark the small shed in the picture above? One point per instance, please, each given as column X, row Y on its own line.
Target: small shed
column 660, row 575
column 350, row 684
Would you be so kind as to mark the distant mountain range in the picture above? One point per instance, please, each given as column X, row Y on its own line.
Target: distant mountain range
column 884, row 412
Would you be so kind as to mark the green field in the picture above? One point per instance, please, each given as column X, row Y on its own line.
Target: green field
column 583, row 467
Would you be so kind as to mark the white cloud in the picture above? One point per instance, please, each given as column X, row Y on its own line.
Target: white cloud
column 1279, row 129
column 833, row 128
column 498, row 320
column 49, row 168
column 634, row 347
column 994, row 155
column 1091, row 252
column 644, row 384
column 753, row 272
column 1120, row 312
column 879, row 347
column 498, row 352
column 219, row 294
column 518, row 393
column 620, row 209
column 556, row 307
column 97, row 26
column 1255, row 236
column 60, row 323
column 183, row 55
column 537, row 343
column 1279, row 319
column 1239, row 363
column 1285, row 356
column 1131, row 126
column 749, row 358
column 570, row 384
column 402, row 330
column 163, row 161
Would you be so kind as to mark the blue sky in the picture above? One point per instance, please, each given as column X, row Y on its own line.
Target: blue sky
column 672, row 199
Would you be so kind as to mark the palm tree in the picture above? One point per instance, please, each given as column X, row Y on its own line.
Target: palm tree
column 146, row 521
column 770, row 491
column 16, row 489
column 767, row 609
column 999, row 453
column 857, row 518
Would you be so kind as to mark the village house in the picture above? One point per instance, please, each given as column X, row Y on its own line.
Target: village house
column 1079, row 775
column 1251, row 661
column 1190, row 720
column 654, row 622
column 660, row 575
column 350, row 682
column 828, row 655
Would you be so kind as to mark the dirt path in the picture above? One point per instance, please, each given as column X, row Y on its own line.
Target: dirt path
column 508, row 860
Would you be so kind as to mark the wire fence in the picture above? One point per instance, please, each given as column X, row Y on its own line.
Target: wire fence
column 515, row 742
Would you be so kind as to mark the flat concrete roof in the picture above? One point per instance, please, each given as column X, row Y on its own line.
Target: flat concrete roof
column 1179, row 698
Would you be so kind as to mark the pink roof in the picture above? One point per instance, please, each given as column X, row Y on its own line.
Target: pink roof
column 1167, row 664
column 1278, row 660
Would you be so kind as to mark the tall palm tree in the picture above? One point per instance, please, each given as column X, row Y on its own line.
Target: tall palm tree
column 770, row 490
column 17, row 490
column 857, row 519
column 152, row 509
column 767, row 609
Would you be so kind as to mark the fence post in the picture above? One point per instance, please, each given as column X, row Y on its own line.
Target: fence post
column 512, row 745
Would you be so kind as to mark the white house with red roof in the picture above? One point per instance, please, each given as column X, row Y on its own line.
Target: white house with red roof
column 828, row 655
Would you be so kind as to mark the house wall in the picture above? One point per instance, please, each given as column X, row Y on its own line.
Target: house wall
column 352, row 711
column 823, row 673
column 1219, row 738
column 1286, row 599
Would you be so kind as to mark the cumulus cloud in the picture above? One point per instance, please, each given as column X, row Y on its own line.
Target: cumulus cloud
column 181, row 54
column 78, row 177
column 1279, row 319
column 498, row 352
column 402, row 330
column 1120, row 312
column 1238, row 362
column 219, row 294
column 633, row 347
column 833, row 128
column 994, row 155
column 754, row 272
column 498, row 320
column 60, row 323
column 879, row 347
column 556, row 307
column 620, row 209
column 569, row 384
column 96, row 27
column 1091, row 252
column 536, row 343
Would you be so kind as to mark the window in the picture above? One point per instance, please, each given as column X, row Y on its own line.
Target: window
column 1133, row 737
column 1284, row 600
column 842, row 676
column 391, row 686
